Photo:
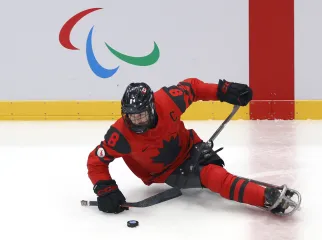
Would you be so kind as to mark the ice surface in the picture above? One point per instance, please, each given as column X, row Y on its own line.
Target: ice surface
column 43, row 177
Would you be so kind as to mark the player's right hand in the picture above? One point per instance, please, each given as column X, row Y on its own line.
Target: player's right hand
column 110, row 198
column 234, row 93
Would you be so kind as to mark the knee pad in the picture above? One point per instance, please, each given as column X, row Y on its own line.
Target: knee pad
column 187, row 175
column 184, row 181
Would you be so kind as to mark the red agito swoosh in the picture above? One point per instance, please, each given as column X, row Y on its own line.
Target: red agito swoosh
column 64, row 34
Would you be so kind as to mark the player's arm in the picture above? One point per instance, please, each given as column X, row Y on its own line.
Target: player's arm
column 234, row 93
column 114, row 146
column 192, row 89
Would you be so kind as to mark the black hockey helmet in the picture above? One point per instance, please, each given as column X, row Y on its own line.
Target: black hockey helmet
column 138, row 101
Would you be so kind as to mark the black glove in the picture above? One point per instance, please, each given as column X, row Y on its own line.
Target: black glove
column 209, row 156
column 234, row 93
column 110, row 198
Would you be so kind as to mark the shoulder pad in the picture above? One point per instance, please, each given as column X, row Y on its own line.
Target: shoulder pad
column 177, row 96
column 115, row 140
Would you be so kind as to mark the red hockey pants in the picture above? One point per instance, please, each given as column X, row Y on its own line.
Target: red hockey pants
column 218, row 180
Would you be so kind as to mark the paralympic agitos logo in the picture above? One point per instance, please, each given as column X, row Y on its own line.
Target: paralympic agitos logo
column 98, row 69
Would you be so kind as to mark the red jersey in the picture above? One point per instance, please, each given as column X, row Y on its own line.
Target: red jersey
column 155, row 154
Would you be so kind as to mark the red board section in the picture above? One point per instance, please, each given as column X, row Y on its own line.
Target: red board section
column 271, row 57
column 270, row 110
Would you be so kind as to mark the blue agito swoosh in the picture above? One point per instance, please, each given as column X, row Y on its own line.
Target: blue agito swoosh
column 98, row 69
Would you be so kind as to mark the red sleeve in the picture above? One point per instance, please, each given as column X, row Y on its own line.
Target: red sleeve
column 114, row 146
column 191, row 90
column 199, row 89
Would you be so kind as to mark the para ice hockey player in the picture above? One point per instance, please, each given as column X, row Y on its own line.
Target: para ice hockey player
column 157, row 148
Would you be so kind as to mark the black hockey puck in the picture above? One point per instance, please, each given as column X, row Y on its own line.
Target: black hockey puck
column 132, row 223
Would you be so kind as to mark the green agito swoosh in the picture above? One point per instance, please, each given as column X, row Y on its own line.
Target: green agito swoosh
column 147, row 60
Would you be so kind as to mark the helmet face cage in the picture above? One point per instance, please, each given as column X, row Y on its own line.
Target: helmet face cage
column 138, row 105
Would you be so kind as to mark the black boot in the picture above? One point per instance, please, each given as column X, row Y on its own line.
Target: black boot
column 272, row 195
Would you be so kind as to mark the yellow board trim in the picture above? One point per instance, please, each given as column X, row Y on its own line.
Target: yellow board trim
column 308, row 109
column 110, row 110
column 105, row 110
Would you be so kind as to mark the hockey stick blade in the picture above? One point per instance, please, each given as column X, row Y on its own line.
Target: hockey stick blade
column 153, row 200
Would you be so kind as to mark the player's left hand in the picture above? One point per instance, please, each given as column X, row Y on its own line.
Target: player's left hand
column 234, row 93
column 209, row 156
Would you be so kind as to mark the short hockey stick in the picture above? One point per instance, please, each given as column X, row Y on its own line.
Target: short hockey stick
column 153, row 200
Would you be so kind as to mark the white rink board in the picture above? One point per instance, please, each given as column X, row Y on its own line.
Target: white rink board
column 207, row 39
